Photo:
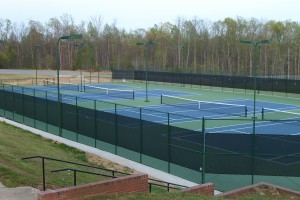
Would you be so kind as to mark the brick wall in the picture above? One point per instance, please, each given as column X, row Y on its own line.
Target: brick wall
column 206, row 189
column 127, row 184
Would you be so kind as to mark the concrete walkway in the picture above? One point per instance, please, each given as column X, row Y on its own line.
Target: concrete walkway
column 18, row 193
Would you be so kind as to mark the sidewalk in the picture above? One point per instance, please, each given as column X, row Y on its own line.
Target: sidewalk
column 19, row 193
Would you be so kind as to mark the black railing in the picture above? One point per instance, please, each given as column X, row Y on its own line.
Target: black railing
column 168, row 185
column 81, row 171
column 151, row 181
column 70, row 162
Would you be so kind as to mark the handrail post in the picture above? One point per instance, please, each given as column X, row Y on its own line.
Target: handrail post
column 44, row 178
column 74, row 172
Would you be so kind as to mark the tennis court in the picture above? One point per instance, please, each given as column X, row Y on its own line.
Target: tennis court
column 181, row 129
column 182, row 107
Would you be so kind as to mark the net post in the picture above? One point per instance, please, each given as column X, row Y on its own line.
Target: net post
column 161, row 96
column 133, row 95
column 262, row 113
column 246, row 111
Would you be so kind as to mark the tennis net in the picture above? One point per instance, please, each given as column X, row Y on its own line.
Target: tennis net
column 215, row 107
column 275, row 114
column 64, row 86
column 126, row 94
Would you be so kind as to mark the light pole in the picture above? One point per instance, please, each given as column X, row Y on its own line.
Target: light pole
column 146, row 44
column 37, row 61
column 65, row 37
column 178, row 48
column 256, row 45
column 79, row 50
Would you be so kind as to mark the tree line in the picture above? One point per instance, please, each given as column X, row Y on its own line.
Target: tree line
column 193, row 45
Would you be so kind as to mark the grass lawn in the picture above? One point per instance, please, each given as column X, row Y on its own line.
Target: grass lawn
column 16, row 143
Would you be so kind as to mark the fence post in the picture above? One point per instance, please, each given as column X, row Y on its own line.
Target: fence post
column 4, row 106
column 46, row 111
column 13, row 102
column 169, row 149
column 203, row 150
column 95, row 120
column 59, row 115
column 116, row 130
column 245, row 85
column 2, row 113
column 77, row 119
column 34, row 102
column 233, row 86
column 133, row 75
column 3, row 100
column 286, row 86
column 141, row 136
column 253, row 152
column 23, row 116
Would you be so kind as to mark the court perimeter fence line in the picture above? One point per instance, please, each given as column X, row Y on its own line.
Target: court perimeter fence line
column 200, row 154
column 265, row 85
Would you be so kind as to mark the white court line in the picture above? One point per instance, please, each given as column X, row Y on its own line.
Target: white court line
column 265, row 124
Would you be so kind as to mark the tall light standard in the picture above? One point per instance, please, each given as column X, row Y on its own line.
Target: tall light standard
column 146, row 44
column 65, row 37
column 256, row 45
column 79, row 46
column 178, row 50
column 37, row 61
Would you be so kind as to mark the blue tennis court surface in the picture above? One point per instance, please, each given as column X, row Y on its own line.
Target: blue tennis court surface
column 158, row 113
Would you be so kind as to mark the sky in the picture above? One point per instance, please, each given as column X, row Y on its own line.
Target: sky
column 134, row 14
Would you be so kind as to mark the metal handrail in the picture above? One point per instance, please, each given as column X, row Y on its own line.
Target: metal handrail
column 79, row 164
column 82, row 171
column 169, row 185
